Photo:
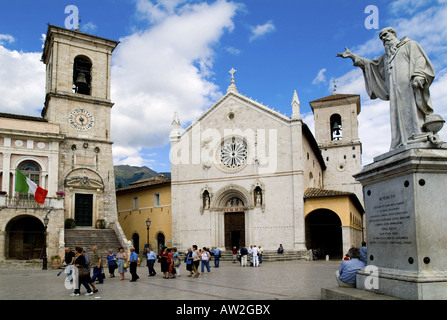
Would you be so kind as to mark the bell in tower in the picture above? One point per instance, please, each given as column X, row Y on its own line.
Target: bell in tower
column 81, row 75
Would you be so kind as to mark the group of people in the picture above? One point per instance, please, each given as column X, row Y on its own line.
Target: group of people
column 196, row 257
column 252, row 254
column 80, row 263
column 355, row 260
column 170, row 261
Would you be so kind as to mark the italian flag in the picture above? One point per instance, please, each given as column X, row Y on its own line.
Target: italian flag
column 24, row 184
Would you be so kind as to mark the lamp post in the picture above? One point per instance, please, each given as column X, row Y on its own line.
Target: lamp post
column 148, row 224
column 44, row 258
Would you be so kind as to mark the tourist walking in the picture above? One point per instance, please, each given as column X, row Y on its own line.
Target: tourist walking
column 163, row 258
column 82, row 273
column 216, row 252
column 97, row 265
column 151, row 257
column 195, row 261
column 171, row 263
column 111, row 263
column 205, row 260
column 122, row 258
column 250, row 255
column 188, row 261
column 260, row 254
column 255, row 253
column 177, row 261
column 244, row 254
column 67, row 261
column 88, row 262
column 133, row 263
column 234, row 254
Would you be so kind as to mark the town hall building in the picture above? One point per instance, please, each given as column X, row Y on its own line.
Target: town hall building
column 244, row 174
column 67, row 151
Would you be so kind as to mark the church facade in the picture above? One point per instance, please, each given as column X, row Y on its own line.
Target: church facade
column 244, row 174
column 66, row 151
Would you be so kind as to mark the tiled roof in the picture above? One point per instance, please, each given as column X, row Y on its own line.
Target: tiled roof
column 322, row 193
column 316, row 193
column 145, row 183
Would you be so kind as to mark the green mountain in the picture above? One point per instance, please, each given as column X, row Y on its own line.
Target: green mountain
column 124, row 174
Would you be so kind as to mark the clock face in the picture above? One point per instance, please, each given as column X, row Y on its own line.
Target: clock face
column 233, row 154
column 81, row 120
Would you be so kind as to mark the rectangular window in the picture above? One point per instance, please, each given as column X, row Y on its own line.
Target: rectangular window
column 135, row 203
column 156, row 200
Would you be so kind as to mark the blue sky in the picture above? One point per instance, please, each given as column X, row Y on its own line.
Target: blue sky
column 175, row 55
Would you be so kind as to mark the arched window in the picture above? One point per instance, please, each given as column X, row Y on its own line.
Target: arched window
column 32, row 171
column 82, row 77
column 336, row 127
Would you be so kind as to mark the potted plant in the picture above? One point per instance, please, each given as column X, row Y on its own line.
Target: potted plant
column 60, row 194
column 55, row 262
column 70, row 223
column 100, row 224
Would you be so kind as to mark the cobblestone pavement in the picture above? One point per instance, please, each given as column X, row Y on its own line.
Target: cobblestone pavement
column 290, row 280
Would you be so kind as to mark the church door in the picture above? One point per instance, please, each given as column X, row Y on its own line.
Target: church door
column 83, row 210
column 234, row 230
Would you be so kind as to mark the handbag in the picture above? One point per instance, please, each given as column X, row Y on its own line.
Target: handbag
column 83, row 272
column 126, row 264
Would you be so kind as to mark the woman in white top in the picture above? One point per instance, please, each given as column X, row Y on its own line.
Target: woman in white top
column 206, row 260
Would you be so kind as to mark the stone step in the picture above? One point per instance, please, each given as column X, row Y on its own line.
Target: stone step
column 269, row 256
column 105, row 239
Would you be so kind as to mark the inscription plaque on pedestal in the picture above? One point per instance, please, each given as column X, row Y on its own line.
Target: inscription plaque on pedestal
column 406, row 225
column 390, row 221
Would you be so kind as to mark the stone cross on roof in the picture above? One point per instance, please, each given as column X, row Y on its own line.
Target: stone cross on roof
column 232, row 87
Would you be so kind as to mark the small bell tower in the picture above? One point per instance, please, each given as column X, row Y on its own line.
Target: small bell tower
column 336, row 132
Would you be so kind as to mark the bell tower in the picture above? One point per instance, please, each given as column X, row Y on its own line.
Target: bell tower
column 78, row 100
column 336, row 132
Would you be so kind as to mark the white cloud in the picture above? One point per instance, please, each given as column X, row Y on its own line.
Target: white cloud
column 22, row 82
column 6, row 38
column 320, row 78
column 89, row 27
column 261, row 30
column 164, row 69
column 233, row 50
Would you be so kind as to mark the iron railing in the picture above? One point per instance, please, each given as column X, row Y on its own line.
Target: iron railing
column 24, row 202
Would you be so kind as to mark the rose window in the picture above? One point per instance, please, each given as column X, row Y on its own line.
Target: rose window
column 233, row 154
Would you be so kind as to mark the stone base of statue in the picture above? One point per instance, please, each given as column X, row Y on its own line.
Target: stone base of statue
column 405, row 195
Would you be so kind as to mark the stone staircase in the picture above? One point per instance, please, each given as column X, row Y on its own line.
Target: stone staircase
column 272, row 256
column 105, row 239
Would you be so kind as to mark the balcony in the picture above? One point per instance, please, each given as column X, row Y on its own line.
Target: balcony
column 29, row 203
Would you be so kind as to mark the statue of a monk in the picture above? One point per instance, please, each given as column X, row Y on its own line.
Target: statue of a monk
column 403, row 76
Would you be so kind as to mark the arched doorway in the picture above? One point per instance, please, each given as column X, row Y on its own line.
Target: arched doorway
column 136, row 242
column 25, row 238
column 160, row 241
column 234, row 223
column 324, row 233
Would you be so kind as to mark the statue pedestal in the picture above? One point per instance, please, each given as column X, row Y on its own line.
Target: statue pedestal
column 406, row 224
